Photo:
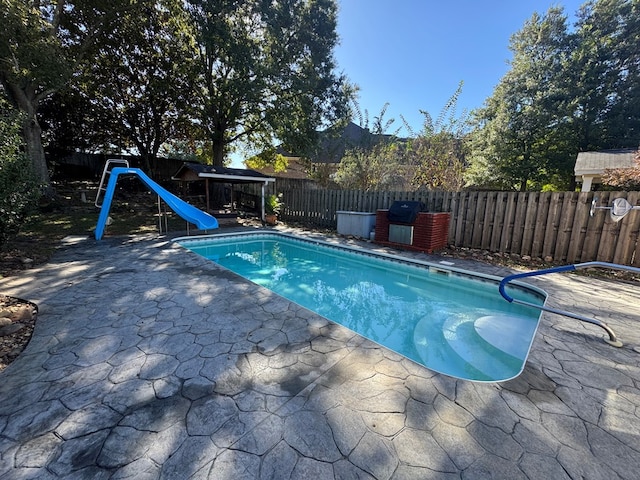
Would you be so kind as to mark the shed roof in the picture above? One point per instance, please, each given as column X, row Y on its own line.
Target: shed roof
column 198, row 171
column 597, row 162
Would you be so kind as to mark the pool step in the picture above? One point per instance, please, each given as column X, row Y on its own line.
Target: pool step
column 509, row 333
column 475, row 345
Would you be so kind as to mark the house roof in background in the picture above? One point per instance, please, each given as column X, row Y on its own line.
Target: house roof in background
column 334, row 144
column 198, row 171
column 589, row 163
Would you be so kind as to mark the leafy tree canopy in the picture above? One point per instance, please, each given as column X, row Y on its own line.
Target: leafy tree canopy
column 136, row 90
column 41, row 45
column 267, row 72
column 517, row 127
column 438, row 153
column 566, row 91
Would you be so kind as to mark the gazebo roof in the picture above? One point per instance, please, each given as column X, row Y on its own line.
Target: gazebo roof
column 190, row 171
column 590, row 163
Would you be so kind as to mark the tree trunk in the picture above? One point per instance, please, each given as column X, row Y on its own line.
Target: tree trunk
column 32, row 134
column 218, row 153
column 217, row 196
column 25, row 99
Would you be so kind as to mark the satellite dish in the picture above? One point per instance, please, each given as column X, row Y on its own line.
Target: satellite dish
column 619, row 209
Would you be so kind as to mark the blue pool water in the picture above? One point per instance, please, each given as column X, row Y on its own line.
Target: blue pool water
column 453, row 322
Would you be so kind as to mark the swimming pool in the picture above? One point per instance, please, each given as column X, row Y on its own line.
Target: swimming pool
column 449, row 320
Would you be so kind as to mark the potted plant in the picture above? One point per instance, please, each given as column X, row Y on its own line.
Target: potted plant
column 272, row 208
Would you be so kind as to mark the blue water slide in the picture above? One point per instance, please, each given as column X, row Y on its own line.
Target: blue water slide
column 191, row 214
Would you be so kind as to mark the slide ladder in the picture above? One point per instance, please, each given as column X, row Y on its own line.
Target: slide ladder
column 106, row 172
column 612, row 340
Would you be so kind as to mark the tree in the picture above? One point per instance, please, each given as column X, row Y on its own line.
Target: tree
column 604, row 75
column 267, row 72
column 141, row 79
column 379, row 167
column 375, row 159
column 41, row 45
column 625, row 178
column 438, row 152
column 518, row 136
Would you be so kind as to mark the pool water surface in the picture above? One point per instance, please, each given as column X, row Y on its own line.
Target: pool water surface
column 449, row 320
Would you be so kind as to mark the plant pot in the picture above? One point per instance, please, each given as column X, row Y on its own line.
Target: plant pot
column 271, row 219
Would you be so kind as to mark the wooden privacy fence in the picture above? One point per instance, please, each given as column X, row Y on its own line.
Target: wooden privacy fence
column 549, row 224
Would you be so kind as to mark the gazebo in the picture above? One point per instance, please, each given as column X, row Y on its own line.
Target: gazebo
column 191, row 171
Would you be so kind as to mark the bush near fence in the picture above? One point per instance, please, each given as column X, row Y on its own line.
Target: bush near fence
column 538, row 224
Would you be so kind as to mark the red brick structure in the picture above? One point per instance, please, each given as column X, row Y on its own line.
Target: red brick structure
column 430, row 231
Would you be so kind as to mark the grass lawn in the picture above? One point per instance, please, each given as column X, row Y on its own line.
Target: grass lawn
column 41, row 234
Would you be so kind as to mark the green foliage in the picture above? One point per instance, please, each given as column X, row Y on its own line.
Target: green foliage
column 379, row 167
column 19, row 191
column 273, row 204
column 379, row 126
column 439, row 160
column 438, row 153
column 433, row 159
column 41, row 46
column 268, row 157
column 137, row 87
column 519, row 123
column 30, row 51
column 624, row 178
column 373, row 161
column 604, row 75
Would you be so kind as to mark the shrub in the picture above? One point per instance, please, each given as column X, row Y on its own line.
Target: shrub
column 19, row 191
column 273, row 204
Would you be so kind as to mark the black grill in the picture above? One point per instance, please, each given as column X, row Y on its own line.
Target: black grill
column 404, row 211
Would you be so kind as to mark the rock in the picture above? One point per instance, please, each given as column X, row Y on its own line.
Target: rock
column 4, row 313
column 548, row 259
column 23, row 313
column 11, row 329
column 4, row 321
column 27, row 262
column 526, row 258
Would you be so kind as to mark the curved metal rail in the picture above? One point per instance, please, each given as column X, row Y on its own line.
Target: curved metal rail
column 612, row 340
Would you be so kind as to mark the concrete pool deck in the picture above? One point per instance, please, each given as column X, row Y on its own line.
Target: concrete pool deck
column 149, row 362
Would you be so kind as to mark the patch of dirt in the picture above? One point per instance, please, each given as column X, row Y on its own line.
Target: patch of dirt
column 17, row 321
column 528, row 263
column 16, row 257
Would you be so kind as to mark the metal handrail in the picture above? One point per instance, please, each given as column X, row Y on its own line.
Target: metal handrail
column 613, row 340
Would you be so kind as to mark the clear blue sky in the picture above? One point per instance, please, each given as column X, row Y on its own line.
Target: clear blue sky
column 413, row 53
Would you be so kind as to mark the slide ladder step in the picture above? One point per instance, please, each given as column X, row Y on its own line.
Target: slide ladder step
column 108, row 166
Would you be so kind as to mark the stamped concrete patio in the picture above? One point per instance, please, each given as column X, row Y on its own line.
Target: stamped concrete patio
column 151, row 362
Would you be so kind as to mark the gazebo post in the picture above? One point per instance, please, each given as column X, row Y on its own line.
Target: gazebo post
column 262, row 202
column 206, row 187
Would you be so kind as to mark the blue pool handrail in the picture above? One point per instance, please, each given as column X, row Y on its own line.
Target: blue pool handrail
column 612, row 340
